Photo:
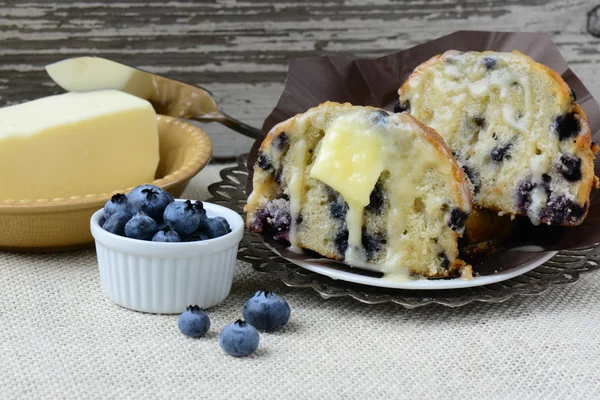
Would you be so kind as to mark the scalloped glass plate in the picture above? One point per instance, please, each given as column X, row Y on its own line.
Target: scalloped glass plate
column 537, row 277
column 339, row 271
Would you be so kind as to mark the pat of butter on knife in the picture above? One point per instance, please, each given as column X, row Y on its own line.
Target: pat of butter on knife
column 76, row 144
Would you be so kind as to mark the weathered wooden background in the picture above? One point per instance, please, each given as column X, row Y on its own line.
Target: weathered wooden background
column 240, row 49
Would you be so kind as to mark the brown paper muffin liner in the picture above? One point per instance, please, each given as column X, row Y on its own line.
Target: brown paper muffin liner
column 375, row 82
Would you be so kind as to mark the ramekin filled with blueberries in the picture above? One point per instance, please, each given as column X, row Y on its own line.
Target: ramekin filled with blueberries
column 158, row 254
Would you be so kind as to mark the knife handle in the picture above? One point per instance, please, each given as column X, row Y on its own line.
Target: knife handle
column 234, row 124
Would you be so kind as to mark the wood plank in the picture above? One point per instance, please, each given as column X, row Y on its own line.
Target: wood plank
column 240, row 49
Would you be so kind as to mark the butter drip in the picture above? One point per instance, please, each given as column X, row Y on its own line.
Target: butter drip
column 349, row 161
column 298, row 164
column 415, row 195
column 356, row 149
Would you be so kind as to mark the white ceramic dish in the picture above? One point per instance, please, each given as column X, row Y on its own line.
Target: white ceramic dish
column 165, row 278
column 348, row 274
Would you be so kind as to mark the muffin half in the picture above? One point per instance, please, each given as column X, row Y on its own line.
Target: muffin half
column 364, row 186
column 514, row 127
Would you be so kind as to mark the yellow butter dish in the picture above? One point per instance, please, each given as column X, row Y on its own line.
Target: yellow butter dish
column 74, row 144
column 60, row 223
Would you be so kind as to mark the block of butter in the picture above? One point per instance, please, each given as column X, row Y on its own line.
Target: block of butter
column 76, row 144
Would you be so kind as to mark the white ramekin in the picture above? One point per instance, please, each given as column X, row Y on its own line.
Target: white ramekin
column 165, row 278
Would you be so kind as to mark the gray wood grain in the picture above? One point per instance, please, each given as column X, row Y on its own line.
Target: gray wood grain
column 240, row 49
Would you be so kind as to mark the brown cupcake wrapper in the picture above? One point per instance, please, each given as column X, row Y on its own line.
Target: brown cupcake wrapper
column 375, row 82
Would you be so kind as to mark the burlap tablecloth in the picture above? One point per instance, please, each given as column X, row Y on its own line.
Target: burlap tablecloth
column 60, row 337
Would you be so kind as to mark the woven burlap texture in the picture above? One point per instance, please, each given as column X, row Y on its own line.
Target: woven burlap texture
column 60, row 337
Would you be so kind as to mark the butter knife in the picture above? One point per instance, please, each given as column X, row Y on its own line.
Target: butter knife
column 167, row 96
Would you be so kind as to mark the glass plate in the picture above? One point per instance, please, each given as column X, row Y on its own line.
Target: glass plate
column 336, row 270
column 532, row 278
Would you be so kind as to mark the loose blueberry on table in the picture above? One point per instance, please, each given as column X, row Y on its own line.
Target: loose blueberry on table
column 194, row 322
column 239, row 339
column 266, row 311
column 150, row 213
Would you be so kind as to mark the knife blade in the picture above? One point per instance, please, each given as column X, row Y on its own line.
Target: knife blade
column 167, row 96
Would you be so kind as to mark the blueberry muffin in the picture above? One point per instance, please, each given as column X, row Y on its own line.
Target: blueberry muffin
column 358, row 184
column 515, row 128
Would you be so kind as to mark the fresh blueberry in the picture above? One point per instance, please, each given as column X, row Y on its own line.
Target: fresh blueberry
column 570, row 168
column 567, row 126
column 203, row 225
column 194, row 322
column 216, row 227
column 199, row 206
column 239, row 339
column 150, row 199
column 402, row 106
column 141, row 226
column 116, row 223
column 183, row 216
column 117, row 202
column 266, row 311
column 499, row 153
column 168, row 196
column 166, row 234
column 224, row 222
column 197, row 236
